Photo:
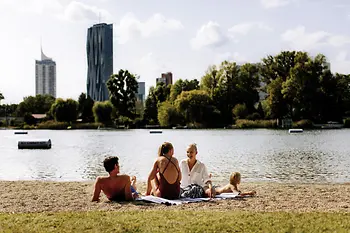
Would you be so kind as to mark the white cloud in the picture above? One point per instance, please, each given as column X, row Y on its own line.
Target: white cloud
column 299, row 39
column 34, row 6
column 341, row 64
column 338, row 40
column 131, row 27
column 245, row 28
column 236, row 57
column 77, row 11
column 149, row 67
column 209, row 35
column 274, row 3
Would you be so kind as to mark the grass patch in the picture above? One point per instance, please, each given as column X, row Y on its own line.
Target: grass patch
column 175, row 221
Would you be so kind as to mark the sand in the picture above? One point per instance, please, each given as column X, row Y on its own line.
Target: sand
column 43, row 196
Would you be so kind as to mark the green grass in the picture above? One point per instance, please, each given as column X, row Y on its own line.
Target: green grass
column 175, row 221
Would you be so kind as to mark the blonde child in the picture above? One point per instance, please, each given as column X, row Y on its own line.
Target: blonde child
column 235, row 180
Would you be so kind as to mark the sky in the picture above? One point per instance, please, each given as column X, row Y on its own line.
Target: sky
column 184, row 37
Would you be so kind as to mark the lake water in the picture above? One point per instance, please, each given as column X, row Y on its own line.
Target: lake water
column 316, row 156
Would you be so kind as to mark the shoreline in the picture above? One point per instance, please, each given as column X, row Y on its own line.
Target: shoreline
column 53, row 196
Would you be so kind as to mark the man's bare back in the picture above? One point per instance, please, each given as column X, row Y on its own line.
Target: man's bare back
column 115, row 188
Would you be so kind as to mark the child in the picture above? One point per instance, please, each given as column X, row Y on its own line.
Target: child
column 235, row 179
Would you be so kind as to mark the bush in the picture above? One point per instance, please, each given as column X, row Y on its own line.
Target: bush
column 347, row 123
column 28, row 127
column 304, row 124
column 103, row 112
column 52, row 125
column 86, row 125
column 240, row 111
column 246, row 124
column 254, row 116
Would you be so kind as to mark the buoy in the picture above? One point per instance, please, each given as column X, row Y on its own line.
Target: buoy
column 296, row 130
column 21, row 132
column 35, row 144
column 155, row 131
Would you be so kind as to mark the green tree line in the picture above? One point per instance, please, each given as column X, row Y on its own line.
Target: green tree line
column 291, row 84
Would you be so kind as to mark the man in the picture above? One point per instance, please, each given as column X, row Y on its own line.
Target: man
column 115, row 187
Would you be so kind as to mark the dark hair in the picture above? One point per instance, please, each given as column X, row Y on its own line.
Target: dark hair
column 165, row 148
column 110, row 162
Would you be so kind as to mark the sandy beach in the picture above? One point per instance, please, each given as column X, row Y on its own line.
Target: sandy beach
column 42, row 196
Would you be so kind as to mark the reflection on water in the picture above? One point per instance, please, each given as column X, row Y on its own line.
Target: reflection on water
column 260, row 155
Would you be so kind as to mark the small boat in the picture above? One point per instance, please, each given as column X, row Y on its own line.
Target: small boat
column 155, row 131
column 295, row 130
column 21, row 132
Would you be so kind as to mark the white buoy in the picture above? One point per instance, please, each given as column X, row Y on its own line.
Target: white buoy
column 155, row 131
column 34, row 144
column 295, row 130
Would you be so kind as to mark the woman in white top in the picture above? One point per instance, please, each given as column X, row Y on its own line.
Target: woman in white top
column 195, row 172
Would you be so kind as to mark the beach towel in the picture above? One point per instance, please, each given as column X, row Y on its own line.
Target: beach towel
column 181, row 201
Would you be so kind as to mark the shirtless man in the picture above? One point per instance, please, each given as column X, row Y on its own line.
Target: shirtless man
column 115, row 187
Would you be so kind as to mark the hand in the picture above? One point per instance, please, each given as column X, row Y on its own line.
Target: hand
column 135, row 195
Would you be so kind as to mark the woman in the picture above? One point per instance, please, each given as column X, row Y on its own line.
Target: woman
column 164, row 179
column 195, row 178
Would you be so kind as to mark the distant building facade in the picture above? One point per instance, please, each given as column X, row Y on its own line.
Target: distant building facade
column 166, row 78
column 99, row 49
column 45, row 76
column 141, row 92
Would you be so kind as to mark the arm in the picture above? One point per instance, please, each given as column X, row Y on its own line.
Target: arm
column 151, row 176
column 205, row 176
column 234, row 189
column 178, row 167
column 127, row 189
column 97, row 190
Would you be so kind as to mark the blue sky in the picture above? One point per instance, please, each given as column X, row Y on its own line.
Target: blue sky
column 155, row 36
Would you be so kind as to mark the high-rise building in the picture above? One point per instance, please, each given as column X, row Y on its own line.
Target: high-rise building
column 99, row 48
column 45, row 76
column 166, row 78
column 141, row 92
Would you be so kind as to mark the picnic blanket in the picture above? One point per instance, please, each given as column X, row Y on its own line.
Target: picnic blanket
column 180, row 201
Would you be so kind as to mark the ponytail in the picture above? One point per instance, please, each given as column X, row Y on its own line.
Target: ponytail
column 164, row 148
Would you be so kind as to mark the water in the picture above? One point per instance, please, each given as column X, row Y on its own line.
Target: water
column 260, row 155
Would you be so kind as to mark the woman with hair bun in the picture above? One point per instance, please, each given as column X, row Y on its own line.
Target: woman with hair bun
column 165, row 176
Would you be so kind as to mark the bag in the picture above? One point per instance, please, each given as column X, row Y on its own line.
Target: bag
column 192, row 191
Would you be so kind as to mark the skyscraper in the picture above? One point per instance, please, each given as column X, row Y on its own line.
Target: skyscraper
column 45, row 76
column 141, row 92
column 99, row 48
column 167, row 78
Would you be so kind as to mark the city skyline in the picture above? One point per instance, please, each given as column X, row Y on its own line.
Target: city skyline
column 159, row 37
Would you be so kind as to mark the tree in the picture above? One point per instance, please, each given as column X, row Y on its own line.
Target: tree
column 197, row 107
column 65, row 110
column 150, row 115
column 122, row 91
column 183, row 85
column 103, row 112
column 210, row 80
column 240, row 111
column 168, row 115
column 85, row 107
column 162, row 92
column 39, row 104
column 1, row 97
